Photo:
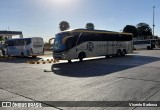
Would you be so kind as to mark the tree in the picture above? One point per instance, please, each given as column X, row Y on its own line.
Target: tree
column 131, row 29
column 90, row 26
column 156, row 37
column 1, row 38
column 144, row 30
column 64, row 25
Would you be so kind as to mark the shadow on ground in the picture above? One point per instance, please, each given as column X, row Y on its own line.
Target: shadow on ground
column 19, row 59
column 99, row 67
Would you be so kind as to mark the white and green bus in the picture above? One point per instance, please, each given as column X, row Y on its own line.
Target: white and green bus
column 25, row 47
column 83, row 43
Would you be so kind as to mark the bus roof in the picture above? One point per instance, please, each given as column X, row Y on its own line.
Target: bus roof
column 95, row 31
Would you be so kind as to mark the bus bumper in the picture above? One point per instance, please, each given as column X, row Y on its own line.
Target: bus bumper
column 59, row 56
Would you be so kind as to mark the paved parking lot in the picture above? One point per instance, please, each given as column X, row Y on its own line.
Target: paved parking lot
column 135, row 77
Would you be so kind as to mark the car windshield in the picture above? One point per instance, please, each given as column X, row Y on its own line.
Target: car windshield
column 59, row 45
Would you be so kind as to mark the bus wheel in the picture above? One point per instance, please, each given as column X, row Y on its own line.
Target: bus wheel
column 8, row 55
column 107, row 56
column 34, row 56
column 69, row 61
column 123, row 52
column 81, row 56
column 119, row 53
column 148, row 47
column 22, row 54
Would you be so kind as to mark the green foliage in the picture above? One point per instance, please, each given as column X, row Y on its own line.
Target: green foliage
column 90, row 26
column 156, row 37
column 144, row 29
column 1, row 38
column 64, row 25
column 131, row 29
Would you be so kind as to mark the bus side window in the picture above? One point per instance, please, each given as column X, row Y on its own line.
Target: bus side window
column 134, row 42
column 103, row 37
column 95, row 37
column 28, row 41
column 85, row 37
column 21, row 42
column 10, row 43
column 70, row 42
column 81, row 39
column 16, row 43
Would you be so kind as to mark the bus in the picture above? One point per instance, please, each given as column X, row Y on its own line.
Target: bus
column 25, row 47
column 148, row 44
column 83, row 43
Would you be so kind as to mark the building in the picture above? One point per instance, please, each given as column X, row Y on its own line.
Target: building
column 10, row 34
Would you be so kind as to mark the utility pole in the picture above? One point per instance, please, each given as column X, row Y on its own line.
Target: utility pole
column 8, row 28
column 153, row 20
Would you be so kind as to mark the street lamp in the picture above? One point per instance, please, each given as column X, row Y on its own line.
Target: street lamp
column 153, row 20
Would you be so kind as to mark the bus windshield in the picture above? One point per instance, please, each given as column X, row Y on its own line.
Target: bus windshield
column 59, row 45
column 64, row 41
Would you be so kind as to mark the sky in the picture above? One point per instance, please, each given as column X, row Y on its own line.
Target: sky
column 41, row 18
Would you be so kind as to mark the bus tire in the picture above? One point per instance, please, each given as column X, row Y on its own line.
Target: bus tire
column 148, row 47
column 107, row 56
column 123, row 52
column 34, row 56
column 22, row 54
column 69, row 61
column 81, row 56
column 118, row 53
column 8, row 55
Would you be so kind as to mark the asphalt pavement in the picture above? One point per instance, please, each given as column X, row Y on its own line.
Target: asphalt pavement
column 135, row 77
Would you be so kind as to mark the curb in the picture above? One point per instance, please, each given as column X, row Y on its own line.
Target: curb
column 48, row 61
